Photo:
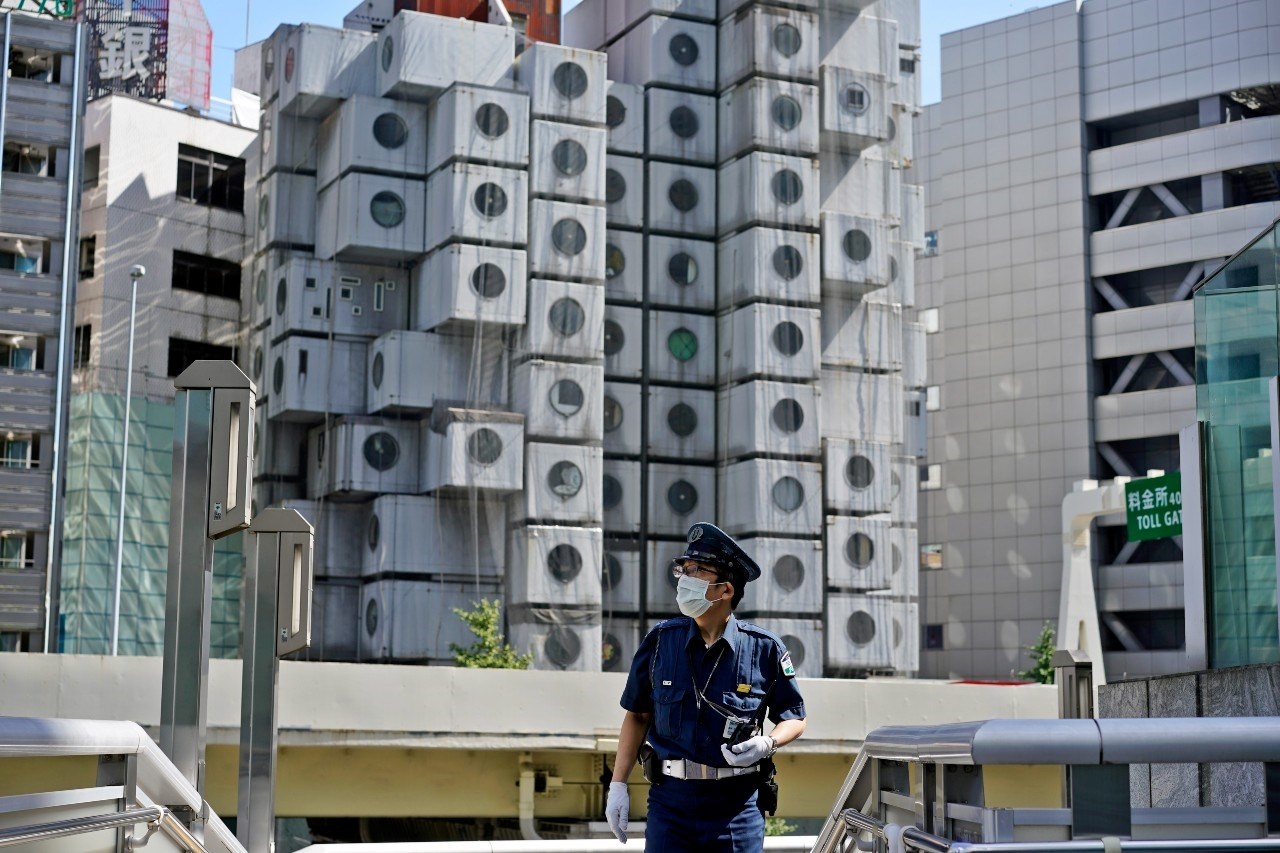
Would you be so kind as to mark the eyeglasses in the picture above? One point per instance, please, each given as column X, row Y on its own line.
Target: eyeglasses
column 680, row 568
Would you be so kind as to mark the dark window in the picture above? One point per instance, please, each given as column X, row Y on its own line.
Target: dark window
column 81, row 341
column 204, row 274
column 92, row 166
column 209, row 178
column 183, row 352
column 1155, row 630
column 933, row 637
column 88, row 250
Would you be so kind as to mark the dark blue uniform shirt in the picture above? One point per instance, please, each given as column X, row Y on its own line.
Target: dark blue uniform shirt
column 745, row 671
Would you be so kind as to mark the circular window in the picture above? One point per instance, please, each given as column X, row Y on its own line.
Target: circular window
column 786, row 112
column 484, row 446
column 490, row 200
column 788, row 263
column 291, row 59
column 615, row 186
column 787, row 338
column 569, row 157
column 795, row 648
column 861, row 628
column 566, row 398
column 610, row 572
column 570, row 80
column 563, row 647
column 381, row 450
column 682, row 419
column 614, row 261
column 566, row 317
column 683, row 269
column 390, row 131
column 277, row 376
column 895, row 485
column 788, row 572
column 320, row 450
column 492, row 121
column 897, row 558
column 282, row 297
column 615, row 112
column 683, row 49
column 893, row 269
column 682, row 497
column 388, row 52
column 371, row 616
column 859, row 473
column 375, row 531
column 564, row 479
column 610, row 653
column 564, row 562
column 683, row 344
column 613, row 413
column 684, row 122
column 857, row 245
column 268, row 61
column 376, row 371
column 614, row 337
column 569, row 237
column 683, row 195
column 264, row 212
column 788, row 416
column 788, row 494
column 488, row 281
column 859, row 550
column 893, row 130
column 787, row 40
column 856, row 99
column 387, row 209
column 260, row 292
column 786, row 187
column 610, row 491
column 257, row 363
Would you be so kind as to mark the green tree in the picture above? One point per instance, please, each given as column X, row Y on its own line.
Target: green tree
column 1041, row 654
column 778, row 826
column 490, row 649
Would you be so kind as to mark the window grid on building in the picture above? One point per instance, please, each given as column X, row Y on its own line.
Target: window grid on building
column 210, row 179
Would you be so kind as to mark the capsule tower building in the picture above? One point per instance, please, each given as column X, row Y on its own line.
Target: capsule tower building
column 522, row 312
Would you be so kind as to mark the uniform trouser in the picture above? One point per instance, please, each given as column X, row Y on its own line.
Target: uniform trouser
column 704, row 815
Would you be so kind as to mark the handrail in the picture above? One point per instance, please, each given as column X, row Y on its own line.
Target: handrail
column 912, row 837
column 81, row 825
column 1098, row 845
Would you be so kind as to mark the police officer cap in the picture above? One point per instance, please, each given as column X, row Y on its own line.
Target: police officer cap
column 709, row 544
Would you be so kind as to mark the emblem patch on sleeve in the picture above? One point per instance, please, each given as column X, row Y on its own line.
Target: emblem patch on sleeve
column 787, row 669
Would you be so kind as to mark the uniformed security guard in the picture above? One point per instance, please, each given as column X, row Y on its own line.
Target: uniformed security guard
column 699, row 690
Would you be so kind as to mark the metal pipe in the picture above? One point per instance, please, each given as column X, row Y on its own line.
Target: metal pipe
column 124, row 463
column 1217, row 845
column 179, row 832
column 79, row 826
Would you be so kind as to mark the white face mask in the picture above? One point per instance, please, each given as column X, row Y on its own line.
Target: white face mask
column 691, row 596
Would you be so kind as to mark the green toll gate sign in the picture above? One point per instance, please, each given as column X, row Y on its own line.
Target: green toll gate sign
column 1154, row 507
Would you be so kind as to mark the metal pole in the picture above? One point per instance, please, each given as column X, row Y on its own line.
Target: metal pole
column 134, row 274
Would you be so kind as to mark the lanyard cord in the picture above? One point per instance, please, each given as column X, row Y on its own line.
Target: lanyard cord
column 698, row 696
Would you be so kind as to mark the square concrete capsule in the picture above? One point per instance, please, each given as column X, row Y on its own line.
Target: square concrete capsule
column 624, row 117
column 620, row 494
column 567, row 162
column 624, row 266
column 288, row 142
column 478, row 125
column 679, row 495
column 855, row 108
column 902, row 277
column 682, row 348
column 357, row 457
column 560, row 401
column 768, row 263
column 566, row 321
column 768, row 417
column 564, row 83
column 559, row 642
column 624, row 192
column 861, row 334
column 370, row 218
column 859, row 476
column 790, row 577
column 771, row 496
column 619, row 638
column 478, row 204
column 622, row 418
column 768, row 41
column 769, row 342
column 682, row 199
column 681, row 126
column 463, row 368
column 319, row 67
column 862, row 406
column 620, row 579
column 286, row 212
column 860, row 632
column 431, row 535
column 682, row 423
column 471, row 449
column 666, row 51
column 803, row 639
column 553, row 565
column 372, row 135
column 340, row 535
column 682, row 273
column 420, row 55
column 412, row 621
column 561, row 485
column 855, row 254
column 621, row 15
column 461, row 285
column 623, row 344
column 566, row 240
column 859, row 41
column 761, row 114
column 313, row 377
column 323, row 297
column 768, row 189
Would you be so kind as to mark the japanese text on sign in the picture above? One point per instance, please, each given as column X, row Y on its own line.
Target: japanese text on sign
column 1153, row 507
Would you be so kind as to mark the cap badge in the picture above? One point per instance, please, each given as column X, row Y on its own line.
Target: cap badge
column 696, row 533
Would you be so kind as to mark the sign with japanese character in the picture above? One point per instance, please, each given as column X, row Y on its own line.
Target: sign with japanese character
column 1153, row 507
column 129, row 40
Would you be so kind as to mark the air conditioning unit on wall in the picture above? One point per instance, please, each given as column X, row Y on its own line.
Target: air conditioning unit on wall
column 768, row 263
column 768, row 417
column 554, row 566
column 469, row 449
column 858, row 475
column 620, row 497
column 682, row 126
column 668, row 52
column 682, row 423
column 477, row 204
column 679, row 496
column 465, row 369
column 682, row 273
column 859, row 552
column 419, row 55
column 561, row 485
column 479, row 125
column 429, row 535
column 621, row 415
column 357, row 457
column 772, row 341
column 461, row 285
column 564, row 83
column 310, row 378
column 771, row 496
column 790, row 577
column 768, row 115
column 567, row 161
column 370, row 218
column 769, row 42
column 372, row 135
column 560, row 401
column 566, row 321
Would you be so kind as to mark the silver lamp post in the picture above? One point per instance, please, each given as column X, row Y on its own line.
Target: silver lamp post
column 136, row 272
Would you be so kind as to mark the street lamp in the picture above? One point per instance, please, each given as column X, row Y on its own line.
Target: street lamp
column 136, row 272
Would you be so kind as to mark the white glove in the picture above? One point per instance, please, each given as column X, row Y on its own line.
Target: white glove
column 617, row 809
column 750, row 751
